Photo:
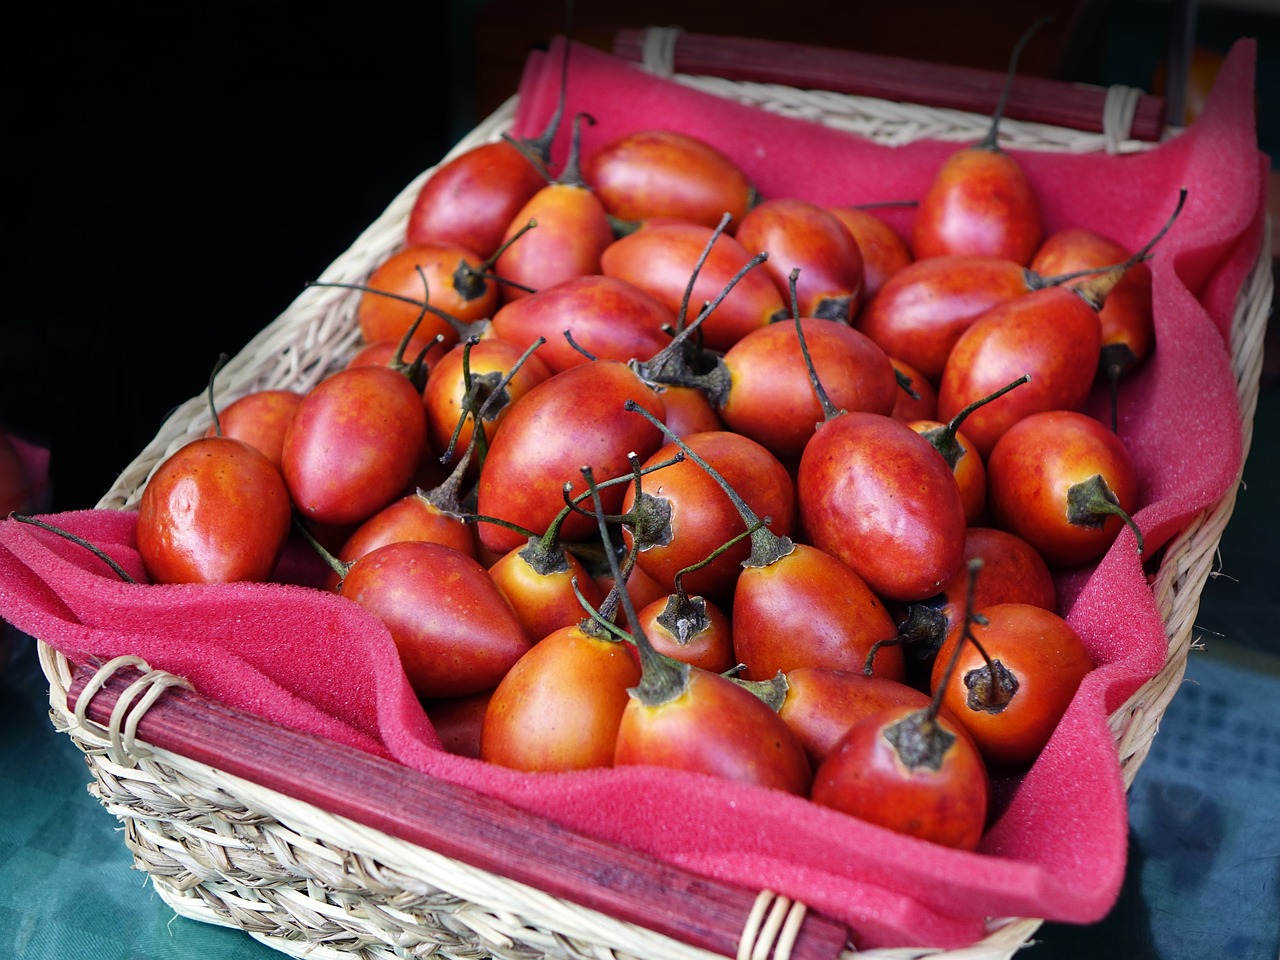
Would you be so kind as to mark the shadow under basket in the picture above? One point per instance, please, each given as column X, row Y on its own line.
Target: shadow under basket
column 225, row 842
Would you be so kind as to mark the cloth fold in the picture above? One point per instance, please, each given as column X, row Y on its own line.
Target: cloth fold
column 316, row 662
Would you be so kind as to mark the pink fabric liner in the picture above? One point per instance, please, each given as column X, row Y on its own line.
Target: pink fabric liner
column 315, row 662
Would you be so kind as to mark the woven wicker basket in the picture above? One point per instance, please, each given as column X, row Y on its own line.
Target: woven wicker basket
column 225, row 850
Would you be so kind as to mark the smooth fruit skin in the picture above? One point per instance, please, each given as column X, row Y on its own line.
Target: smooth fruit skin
column 922, row 310
column 801, row 235
column 718, row 728
column 703, row 518
column 572, row 232
column 559, row 706
column 661, row 173
column 865, row 778
column 471, row 199
column 544, row 602
column 216, row 511
column 1033, row 466
column 970, row 474
column 822, row 704
column 574, row 419
column 1047, row 658
column 354, row 444
column 386, row 318
column 709, row 646
column 1052, row 334
column 877, row 495
column 445, row 394
column 609, row 318
column 1126, row 316
column 980, row 202
column 771, row 396
column 454, row 630
column 412, row 517
column 661, row 257
column 884, row 251
column 809, row 609
column 260, row 419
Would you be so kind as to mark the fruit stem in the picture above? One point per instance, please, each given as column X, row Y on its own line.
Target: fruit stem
column 213, row 407
column 829, row 411
column 541, row 145
column 1095, row 291
column 1090, row 501
column 78, row 541
column 662, row 678
column 336, row 565
column 943, row 438
column 989, row 142
column 766, row 546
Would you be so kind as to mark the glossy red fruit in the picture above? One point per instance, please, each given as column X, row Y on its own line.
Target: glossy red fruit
column 714, row 726
column 970, row 474
column 1051, row 334
column 660, row 258
column 801, row 235
column 1012, row 572
column 608, row 318
column 1055, row 479
column 1040, row 662
column 884, row 251
column 446, row 394
column 454, row 630
column 821, row 704
column 688, row 410
column 575, row 416
column 260, row 419
column 388, row 353
column 921, row 311
column 662, row 173
column 472, row 198
column 215, row 511
column 353, row 445
column 700, row 518
column 875, row 494
column 769, row 395
column 980, row 203
column 572, row 232
column 923, row 778
column 411, row 517
column 1128, row 323
column 560, row 705
column 809, row 609
column 444, row 275
column 543, row 583
column 690, row 629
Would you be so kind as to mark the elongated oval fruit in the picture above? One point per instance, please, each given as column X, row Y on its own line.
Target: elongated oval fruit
column 877, row 495
column 215, row 511
column 661, row 257
column 1052, row 334
column 662, row 173
column 471, row 199
column 354, row 443
column 574, row 419
column 454, row 630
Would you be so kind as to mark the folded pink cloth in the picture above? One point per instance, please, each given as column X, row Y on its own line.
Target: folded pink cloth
column 315, row 662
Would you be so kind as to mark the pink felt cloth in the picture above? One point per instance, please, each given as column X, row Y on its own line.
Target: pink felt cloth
column 312, row 661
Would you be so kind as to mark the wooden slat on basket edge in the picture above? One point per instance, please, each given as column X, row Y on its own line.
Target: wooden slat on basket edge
column 453, row 821
column 1072, row 105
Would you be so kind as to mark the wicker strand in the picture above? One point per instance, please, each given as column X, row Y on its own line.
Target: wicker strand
column 1118, row 111
column 658, row 49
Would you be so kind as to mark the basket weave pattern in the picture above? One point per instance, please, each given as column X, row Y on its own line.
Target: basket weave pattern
column 221, row 849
